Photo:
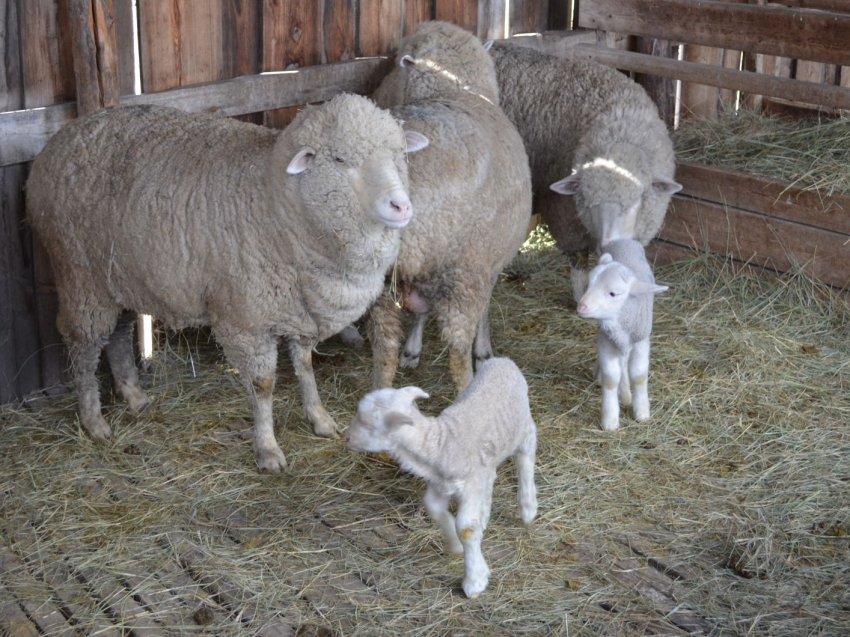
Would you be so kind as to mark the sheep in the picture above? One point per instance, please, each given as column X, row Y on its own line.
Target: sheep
column 619, row 295
column 458, row 453
column 203, row 220
column 593, row 134
column 472, row 192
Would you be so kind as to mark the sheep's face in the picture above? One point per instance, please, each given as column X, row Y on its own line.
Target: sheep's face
column 610, row 285
column 379, row 416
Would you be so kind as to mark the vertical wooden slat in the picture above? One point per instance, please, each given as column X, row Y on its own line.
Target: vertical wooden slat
column 124, row 39
column 240, row 28
column 491, row 19
column 528, row 16
column 11, row 73
column 95, row 54
column 340, row 30
column 46, row 53
column 159, row 45
column 416, row 12
column 379, row 26
column 461, row 12
column 560, row 18
column 660, row 89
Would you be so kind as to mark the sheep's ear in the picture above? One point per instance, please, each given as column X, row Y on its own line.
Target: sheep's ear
column 665, row 186
column 414, row 392
column 407, row 60
column 488, row 45
column 415, row 141
column 568, row 185
column 395, row 419
column 605, row 258
column 302, row 160
column 639, row 287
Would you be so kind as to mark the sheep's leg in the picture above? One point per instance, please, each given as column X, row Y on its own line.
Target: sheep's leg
column 119, row 352
column 85, row 358
column 470, row 524
column 527, row 491
column 437, row 506
column 385, row 333
column 624, row 390
column 409, row 358
column 639, row 374
column 255, row 356
column 482, row 348
column 301, row 351
column 608, row 359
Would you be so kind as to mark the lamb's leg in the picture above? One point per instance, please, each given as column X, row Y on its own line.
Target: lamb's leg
column 608, row 359
column 437, row 506
column 527, row 491
column 470, row 524
column 301, row 351
column 255, row 356
column 482, row 348
column 85, row 358
column 409, row 358
column 385, row 334
column 639, row 374
column 624, row 390
column 119, row 352
column 350, row 335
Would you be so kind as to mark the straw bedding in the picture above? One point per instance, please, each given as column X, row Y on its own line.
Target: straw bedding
column 726, row 514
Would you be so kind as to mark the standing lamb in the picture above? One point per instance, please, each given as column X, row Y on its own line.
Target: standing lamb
column 201, row 220
column 620, row 294
column 471, row 189
column 458, row 453
column 592, row 133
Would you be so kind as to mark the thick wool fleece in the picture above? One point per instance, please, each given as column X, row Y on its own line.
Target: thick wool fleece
column 471, row 189
column 570, row 112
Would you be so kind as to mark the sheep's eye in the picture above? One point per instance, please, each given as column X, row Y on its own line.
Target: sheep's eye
column 339, row 160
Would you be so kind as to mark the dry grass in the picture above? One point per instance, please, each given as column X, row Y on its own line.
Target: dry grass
column 737, row 489
column 810, row 153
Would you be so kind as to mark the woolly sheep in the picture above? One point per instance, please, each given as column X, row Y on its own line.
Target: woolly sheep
column 472, row 192
column 591, row 133
column 458, row 452
column 204, row 220
column 620, row 294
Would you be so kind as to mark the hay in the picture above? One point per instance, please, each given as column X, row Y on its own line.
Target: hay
column 810, row 153
column 726, row 514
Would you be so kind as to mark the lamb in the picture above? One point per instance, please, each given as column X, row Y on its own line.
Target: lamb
column 620, row 294
column 201, row 220
column 472, row 192
column 593, row 134
column 458, row 452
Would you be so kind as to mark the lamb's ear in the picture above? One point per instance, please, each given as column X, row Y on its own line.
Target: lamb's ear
column 488, row 45
column 665, row 185
column 639, row 287
column 415, row 141
column 302, row 160
column 605, row 258
column 568, row 185
column 414, row 392
column 395, row 419
column 407, row 60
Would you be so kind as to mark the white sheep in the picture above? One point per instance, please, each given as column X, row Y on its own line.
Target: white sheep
column 206, row 220
column 471, row 189
column 620, row 294
column 458, row 452
column 593, row 134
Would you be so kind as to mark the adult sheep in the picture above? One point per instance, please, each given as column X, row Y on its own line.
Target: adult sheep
column 593, row 134
column 471, row 189
column 201, row 220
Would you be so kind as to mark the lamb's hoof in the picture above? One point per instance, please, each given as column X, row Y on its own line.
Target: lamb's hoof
column 270, row 460
column 473, row 586
column 642, row 416
column 98, row 428
column 409, row 361
column 611, row 425
column 527, row 513
column 455, row 548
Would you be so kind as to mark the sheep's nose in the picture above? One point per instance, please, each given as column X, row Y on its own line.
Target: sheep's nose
column 401, row 205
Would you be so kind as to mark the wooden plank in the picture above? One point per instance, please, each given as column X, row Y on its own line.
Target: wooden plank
column 461, row 12
column 95, row 54
column 815, row 72
column 796, row 33
column 11, row 74
column 828, row 96
column 659, row 89
column 416, row 12
column 764, row 240
column 124, row 34
column 24, row 133
column 765, row 196
column 240, row 28
column 46, row 53
column 491, row 19
column 379, row 27
column 159, row 41
column 340, row 31
column 824, row 5
column 528, row 16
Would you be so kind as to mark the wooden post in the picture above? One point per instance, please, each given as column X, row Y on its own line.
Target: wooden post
column 660, row 89
column 95, row 54
column 491, row 19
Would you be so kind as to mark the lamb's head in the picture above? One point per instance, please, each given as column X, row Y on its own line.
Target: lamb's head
column 347, row 162
column 439, row 59
column 616, row 196
column 610, row 285
column 380, row 415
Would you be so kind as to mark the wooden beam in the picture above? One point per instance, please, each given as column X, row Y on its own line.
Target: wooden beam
column 796, row 33
column 828, row 96
column 24, row 133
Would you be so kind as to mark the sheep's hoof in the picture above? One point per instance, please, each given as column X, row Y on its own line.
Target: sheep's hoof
column 98, row 428
column 323, row 425
column 409, row 361
column 271, row 460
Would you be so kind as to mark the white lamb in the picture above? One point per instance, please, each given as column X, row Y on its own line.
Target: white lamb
column 458, row 452
column 620, row 294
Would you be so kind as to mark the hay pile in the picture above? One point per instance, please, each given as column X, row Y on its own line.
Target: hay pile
column 810, row 153
column 726, row 514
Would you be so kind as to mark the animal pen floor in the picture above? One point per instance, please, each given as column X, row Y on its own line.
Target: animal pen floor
column 726, row 514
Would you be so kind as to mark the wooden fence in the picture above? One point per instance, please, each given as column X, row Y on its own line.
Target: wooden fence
column 262, row 59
